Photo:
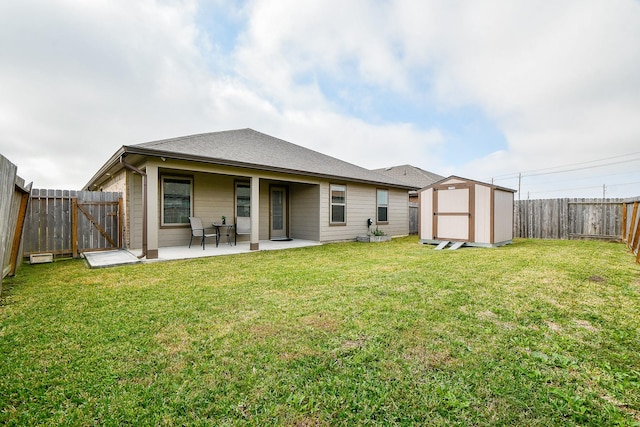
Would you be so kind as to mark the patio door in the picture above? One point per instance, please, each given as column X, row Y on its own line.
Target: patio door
column 278, row 214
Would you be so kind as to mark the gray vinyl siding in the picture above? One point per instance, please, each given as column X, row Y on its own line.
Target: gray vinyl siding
column 264, row 210
column 361, row 205
column 304, row 203
column 398, row 213
column 134, row 210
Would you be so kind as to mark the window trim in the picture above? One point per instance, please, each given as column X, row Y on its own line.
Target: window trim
column 378, row 206
column 331, row 204
column 235, row 197
column 191, row 197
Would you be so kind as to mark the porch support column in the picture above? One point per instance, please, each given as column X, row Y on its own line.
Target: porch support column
column 255, row 214
column 152, row 211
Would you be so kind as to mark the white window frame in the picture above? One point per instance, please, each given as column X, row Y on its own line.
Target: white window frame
column 382, row 205
column 337, row 187
column 247, row 185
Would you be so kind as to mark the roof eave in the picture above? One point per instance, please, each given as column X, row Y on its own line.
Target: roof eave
column 111, row 163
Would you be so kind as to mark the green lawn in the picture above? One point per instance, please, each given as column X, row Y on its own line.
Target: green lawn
column 534, row 333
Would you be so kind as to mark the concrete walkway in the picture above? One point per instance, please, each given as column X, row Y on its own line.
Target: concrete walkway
column 121, row 257
column 103, row 259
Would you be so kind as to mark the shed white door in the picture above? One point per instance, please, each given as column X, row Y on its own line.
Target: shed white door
column 278, row 215
column 452, row 214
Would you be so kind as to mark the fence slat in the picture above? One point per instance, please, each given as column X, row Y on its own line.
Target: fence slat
column 573, row 218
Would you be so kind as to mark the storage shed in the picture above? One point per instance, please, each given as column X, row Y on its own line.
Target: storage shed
column 467, row 212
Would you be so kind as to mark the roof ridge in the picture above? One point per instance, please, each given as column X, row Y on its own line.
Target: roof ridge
column 187, row 137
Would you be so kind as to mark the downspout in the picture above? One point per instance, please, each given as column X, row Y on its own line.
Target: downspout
column 144, row 202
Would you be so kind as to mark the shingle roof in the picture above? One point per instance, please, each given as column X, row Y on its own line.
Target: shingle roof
column 411, row 175
column 249, row 148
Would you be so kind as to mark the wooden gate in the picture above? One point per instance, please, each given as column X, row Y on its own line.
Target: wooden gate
column 65, row 223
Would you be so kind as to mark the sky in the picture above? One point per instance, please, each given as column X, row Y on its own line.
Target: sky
column 542, row 97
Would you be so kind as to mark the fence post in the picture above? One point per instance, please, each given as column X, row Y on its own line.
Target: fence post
column 74, row 227
column 636, row 239
column 624, row 222
column 634, row 217
column 17, row 237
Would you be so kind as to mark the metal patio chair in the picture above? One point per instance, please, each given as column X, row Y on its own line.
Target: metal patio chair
column 242, row 226
column 198, row 230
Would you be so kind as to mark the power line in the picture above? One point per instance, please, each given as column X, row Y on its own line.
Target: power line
column 538, row 172
column 608, row 186
column 583, row 168
column 590, row 177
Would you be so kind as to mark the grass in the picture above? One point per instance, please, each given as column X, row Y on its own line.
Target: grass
column 535, row 333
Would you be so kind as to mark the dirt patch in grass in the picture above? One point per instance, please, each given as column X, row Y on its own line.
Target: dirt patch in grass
column 174, row 339
column 487, row 315
column 356, row 344
column 490, row 316
column 320, row 321
column 597, row 279
column 429, row 358
column 585, row 324
column 553, row 326
column 262, row 331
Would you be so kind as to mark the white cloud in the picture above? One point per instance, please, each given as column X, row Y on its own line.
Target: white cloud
column 85, row 78
column 558, row 79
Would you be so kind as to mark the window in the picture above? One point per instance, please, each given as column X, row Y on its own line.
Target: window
column 176, row 200
column 243, row 199
column 383, row 205
column 338, row 204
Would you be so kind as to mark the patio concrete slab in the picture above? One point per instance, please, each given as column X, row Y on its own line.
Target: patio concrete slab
column 110, row 258
column 196, row 251
column 123, row 257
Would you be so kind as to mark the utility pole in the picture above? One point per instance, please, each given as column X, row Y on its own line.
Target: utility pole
column 519, row 184
column 604, row 191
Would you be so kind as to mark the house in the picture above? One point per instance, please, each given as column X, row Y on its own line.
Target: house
column 463, row 210
column 411, row 175
column 286, row 191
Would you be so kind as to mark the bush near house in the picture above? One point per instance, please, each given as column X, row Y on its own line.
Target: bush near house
column 534, row 333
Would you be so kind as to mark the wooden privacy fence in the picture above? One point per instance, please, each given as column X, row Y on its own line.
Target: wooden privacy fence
column 14, row 196
column 568, row 219
column 65, row 222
